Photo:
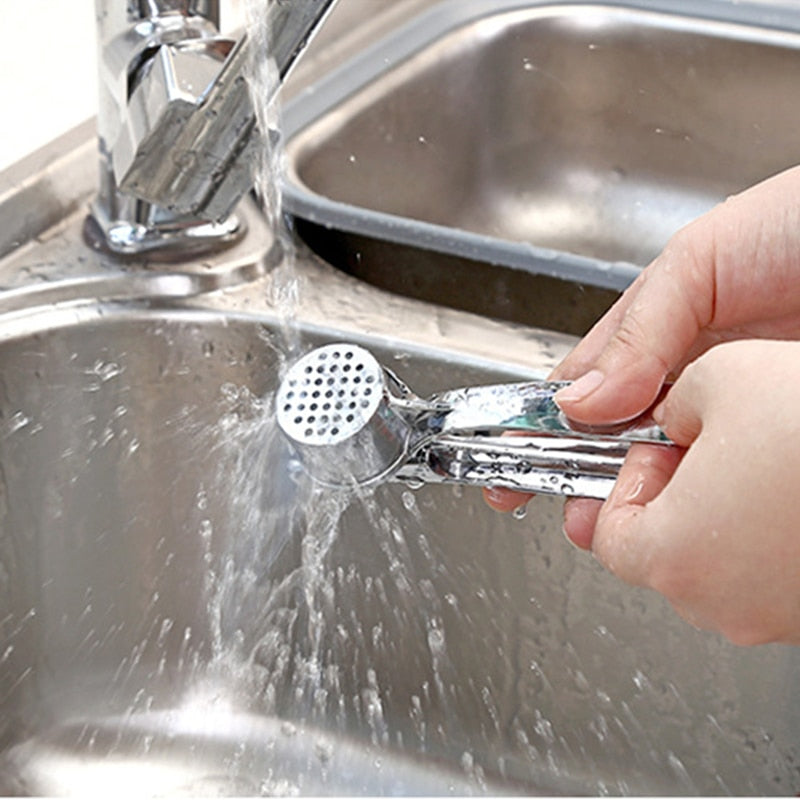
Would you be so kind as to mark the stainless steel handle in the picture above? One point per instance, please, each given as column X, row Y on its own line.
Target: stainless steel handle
column 531, row 464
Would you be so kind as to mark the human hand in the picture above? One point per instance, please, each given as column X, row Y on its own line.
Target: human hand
column 713, row 524
column 732, row 273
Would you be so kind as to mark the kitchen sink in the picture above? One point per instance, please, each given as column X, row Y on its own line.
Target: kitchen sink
column 184, row 613
column 542, row 151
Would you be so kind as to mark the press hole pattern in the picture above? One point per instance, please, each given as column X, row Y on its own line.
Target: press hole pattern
column 328, row 395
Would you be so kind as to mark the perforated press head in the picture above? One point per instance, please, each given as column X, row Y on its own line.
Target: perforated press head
column 335, row 408
column 329, row 395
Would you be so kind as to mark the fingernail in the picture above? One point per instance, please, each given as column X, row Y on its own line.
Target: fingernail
column 494, row 495
column 565, row 529
column 576, row 527
column 581, row 388
column 566, row 535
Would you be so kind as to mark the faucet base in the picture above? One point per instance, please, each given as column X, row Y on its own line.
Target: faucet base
column 181, row 238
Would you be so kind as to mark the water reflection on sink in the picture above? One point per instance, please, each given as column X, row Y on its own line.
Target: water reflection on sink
column 182, row 613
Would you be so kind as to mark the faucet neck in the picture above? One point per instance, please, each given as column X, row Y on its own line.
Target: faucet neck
column 177, row 126
column 129, row 34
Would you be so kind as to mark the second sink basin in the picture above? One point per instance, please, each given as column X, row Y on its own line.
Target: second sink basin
column 548, row 139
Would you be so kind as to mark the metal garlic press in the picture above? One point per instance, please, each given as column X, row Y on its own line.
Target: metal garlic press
column 352, row 421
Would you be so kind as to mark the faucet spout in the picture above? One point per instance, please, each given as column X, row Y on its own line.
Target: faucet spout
column 178, row 152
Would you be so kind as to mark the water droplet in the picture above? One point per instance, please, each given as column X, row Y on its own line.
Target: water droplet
column 166, row 627
column 520, row 512
column 324, row 751
column 436, row 640
column 230, row 391
column 581, row 683
column 228, row 421
column 641, row 680
column 17, row 421
column 105, row 370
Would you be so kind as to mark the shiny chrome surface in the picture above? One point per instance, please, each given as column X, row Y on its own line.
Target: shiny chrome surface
column 178, row 131
column 354, row 422
column 488, row 141
column 152, row 629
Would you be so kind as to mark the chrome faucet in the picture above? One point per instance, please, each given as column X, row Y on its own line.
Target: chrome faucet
column 177, row 128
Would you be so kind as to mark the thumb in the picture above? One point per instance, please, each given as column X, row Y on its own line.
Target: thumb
column 673, row 302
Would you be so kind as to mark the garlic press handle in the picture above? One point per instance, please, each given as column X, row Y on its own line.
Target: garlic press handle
column 531, row 408
column 531, row 464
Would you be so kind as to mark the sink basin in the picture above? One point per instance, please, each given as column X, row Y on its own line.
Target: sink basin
column 182, row 613
column 528, row 147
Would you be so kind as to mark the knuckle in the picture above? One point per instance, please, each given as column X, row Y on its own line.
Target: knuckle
column 632, row 343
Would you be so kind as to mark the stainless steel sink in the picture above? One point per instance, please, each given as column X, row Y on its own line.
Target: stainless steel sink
column 183, row 613
column 528, row 146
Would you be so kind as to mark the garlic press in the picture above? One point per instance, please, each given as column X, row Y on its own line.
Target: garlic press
column 352, row 421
